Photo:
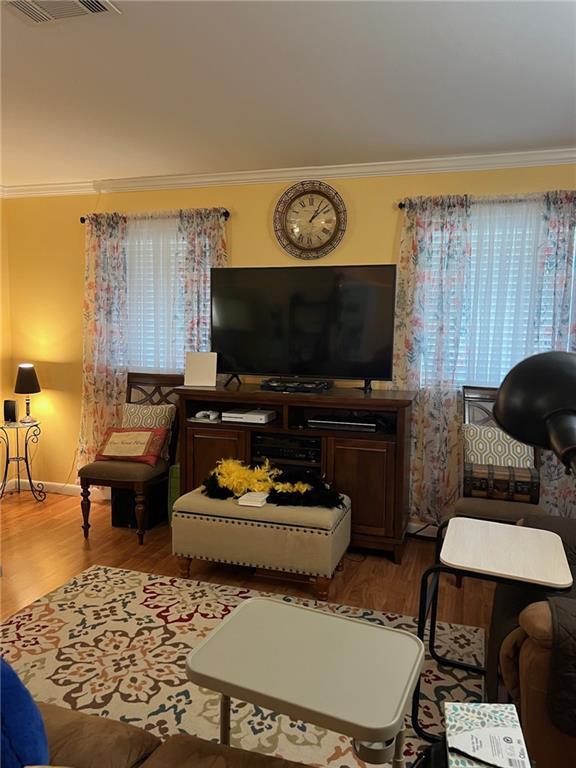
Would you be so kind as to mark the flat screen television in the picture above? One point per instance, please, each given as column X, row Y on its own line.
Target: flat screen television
column 321, row 322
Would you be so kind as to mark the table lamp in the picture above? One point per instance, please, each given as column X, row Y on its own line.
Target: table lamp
column 26, row 384
column 536, row 404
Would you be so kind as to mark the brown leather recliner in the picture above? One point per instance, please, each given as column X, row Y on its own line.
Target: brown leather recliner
column 523, row 649
column 525, row 657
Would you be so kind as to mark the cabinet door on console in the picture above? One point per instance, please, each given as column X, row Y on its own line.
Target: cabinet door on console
column 205, row 447
column 364, row 470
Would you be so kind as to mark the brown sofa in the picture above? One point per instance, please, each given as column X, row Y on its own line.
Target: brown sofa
column 525, row 659
column 523, row 648
column 77, row 740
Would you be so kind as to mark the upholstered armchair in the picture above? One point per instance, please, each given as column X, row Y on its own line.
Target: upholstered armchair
column 500, row 474
column 152, row 402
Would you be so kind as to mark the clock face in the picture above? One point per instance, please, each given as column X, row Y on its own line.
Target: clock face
column 310, row 219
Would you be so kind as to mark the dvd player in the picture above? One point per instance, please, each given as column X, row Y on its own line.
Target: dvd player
column 348, row 423
column 295, row 385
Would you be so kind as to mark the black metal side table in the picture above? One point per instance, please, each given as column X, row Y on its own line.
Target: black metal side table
column 31, row 435
column 489, row 551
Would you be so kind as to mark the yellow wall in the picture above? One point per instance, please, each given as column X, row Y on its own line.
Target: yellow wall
column 5, row 330
column 44, row 243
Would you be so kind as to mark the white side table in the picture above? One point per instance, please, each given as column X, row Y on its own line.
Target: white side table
column 511, row 552
column 344, row 674
column 31, row 431
column 499, row 552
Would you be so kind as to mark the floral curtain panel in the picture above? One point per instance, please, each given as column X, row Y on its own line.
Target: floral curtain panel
column 557, row 266
column 203, row 234
column 146, row 303
column 481, row 285
column 433, row 250
column 104, row 320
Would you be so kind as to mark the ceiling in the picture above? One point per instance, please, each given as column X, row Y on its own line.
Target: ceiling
column 206, row 87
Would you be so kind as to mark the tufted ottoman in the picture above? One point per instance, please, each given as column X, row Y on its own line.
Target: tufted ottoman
column 304, row 540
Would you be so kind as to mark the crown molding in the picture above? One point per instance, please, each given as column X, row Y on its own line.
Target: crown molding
column 49, row 190
column 452, row 164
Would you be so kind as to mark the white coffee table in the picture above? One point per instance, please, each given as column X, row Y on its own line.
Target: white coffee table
column 344, row 674
column 499, row 552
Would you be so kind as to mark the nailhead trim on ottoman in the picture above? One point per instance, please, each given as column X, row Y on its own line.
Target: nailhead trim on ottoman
column 304, row 540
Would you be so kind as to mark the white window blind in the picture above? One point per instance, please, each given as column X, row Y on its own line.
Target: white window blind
column 500, row 309
column 155, row 294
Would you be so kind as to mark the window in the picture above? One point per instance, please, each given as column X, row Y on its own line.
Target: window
column 502, row 307
column 163, row 300
column 155, row 331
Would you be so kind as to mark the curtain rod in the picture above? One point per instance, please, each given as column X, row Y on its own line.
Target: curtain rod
column 225, row 214
column 490, row 199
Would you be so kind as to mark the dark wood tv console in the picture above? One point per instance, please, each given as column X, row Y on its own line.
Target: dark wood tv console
column 371, row 467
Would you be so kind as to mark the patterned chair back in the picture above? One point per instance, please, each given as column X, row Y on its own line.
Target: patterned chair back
column 484, row 441
column 147, row 388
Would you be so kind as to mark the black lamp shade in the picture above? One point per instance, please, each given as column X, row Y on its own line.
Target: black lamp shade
column 26, row 380
column 536, row 403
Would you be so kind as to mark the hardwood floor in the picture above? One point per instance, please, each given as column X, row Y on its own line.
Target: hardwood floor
column 43, row 547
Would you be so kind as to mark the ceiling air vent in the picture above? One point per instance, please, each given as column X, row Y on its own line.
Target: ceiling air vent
column 40, row 11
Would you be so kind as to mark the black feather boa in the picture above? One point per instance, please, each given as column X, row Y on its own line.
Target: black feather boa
column 214, row 490
column 320, row 493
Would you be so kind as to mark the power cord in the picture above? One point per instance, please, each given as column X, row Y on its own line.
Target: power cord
column 72, row 466
column 416, row 534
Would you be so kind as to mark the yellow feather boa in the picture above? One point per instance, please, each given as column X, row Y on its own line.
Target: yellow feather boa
column 238, row 478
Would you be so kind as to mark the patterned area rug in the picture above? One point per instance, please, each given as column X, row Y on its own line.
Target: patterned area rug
column 113, row 642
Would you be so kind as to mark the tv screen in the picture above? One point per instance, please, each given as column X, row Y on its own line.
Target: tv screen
column 323, row 322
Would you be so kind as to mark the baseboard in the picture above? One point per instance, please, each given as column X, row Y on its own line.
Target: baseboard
column 66, row 489
column 420, row 528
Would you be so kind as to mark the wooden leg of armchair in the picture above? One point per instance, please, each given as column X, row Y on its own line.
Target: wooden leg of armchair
column 85, row 506
column 140, row 511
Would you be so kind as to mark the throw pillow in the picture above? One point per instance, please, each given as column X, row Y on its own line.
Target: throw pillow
column 23, row 734
column 150, row 416
column 490, row 445
column 132, row 444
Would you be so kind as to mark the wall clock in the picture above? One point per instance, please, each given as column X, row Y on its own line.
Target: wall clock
column 310, row 219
